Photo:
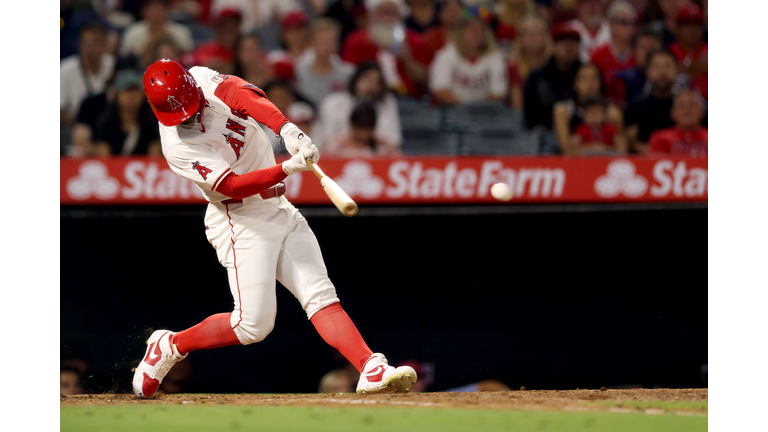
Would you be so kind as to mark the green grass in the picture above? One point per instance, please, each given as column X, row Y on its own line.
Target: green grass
column 145, row 418
column 666, row 405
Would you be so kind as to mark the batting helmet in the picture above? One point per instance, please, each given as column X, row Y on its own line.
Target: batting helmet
column 172, row 92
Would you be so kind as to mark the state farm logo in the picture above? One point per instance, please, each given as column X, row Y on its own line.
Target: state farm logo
column 621, row 178
column 357, row 179
column 93, row 179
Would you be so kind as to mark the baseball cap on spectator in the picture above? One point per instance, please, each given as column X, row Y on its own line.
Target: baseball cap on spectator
column 690, row 14
column 128, row 78
column 299, row 112
column 294, row 19
column 229, row 13
column 620, row 7
column 565, row 31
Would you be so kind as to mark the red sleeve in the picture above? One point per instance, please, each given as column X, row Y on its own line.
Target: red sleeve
column 247, row 99
column 249, row 184
column 584, row 132
column 657, row 143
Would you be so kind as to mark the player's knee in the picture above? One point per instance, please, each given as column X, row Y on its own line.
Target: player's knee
column 252, row 331
column 320, row 300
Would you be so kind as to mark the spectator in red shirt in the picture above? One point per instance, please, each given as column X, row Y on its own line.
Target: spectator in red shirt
column 690, row 49
column 592, row 26
column 532, row 50
column 219, row 53
column 616, row 55
column 449, row 14
column 596, row 135
column 688, row 137
column 400, row 52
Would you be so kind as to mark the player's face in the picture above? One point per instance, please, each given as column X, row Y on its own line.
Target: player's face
column 587, row 82
column 325, row 43
column 687, row 111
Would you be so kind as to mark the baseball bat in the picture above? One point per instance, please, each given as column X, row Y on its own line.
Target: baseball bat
column 340, row 199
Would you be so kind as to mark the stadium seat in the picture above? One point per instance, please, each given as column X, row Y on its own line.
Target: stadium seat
column 474, row 117
column 428, row 141
column 418, row 114
column 548, row 144
column 499, row 142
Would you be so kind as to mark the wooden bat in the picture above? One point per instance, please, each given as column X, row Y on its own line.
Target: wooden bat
column 340, row 199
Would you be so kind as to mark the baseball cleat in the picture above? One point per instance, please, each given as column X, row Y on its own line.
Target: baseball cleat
column 379, row 377
column 160, row 356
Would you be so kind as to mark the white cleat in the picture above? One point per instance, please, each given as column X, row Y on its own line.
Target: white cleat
column 379, row 377
column 160, row 356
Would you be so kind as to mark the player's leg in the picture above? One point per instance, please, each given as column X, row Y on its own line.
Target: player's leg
column 302, row 270
column 250, row 263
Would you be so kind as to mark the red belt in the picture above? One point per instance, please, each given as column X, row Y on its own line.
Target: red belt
column 273, row 192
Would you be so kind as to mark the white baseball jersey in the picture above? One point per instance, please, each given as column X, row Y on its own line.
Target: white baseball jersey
column 257, row 240
column 231, row 141
column 469, row 81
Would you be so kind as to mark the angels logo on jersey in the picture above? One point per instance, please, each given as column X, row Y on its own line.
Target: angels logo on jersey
column 174, row 103
column 235, row 143
column 202, row 170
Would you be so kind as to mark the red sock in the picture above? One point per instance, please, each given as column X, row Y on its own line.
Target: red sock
column 214, row 332
column 338, row 331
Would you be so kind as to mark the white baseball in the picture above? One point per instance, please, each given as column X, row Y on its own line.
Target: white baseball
column 501, row 192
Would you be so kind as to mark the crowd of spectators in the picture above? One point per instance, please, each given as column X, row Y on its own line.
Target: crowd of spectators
column 600, row 76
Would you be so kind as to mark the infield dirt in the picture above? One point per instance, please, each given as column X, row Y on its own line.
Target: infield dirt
column 658, row 401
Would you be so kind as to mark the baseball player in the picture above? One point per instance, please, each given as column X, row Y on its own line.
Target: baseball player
column 210, row 134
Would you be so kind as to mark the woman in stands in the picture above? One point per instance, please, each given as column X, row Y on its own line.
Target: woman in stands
column 251, row 62
column 470, row 68
column 532, row 50
column 367, row 84
column 567, row 115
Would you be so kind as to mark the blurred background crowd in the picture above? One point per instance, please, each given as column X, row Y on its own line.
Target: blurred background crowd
column 388, row 77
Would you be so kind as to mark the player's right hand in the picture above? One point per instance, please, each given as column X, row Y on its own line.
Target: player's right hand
column 298, row 162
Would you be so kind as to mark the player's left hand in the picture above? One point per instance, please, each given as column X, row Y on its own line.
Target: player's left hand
column 295, row 140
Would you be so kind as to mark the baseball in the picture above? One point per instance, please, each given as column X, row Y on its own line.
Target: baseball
column 501, row 192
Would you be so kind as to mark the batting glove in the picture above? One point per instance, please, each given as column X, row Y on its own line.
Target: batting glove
column 295, row 140
column 298, row 162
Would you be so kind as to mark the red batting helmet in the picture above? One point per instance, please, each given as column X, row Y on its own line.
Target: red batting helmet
column 172, row 92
